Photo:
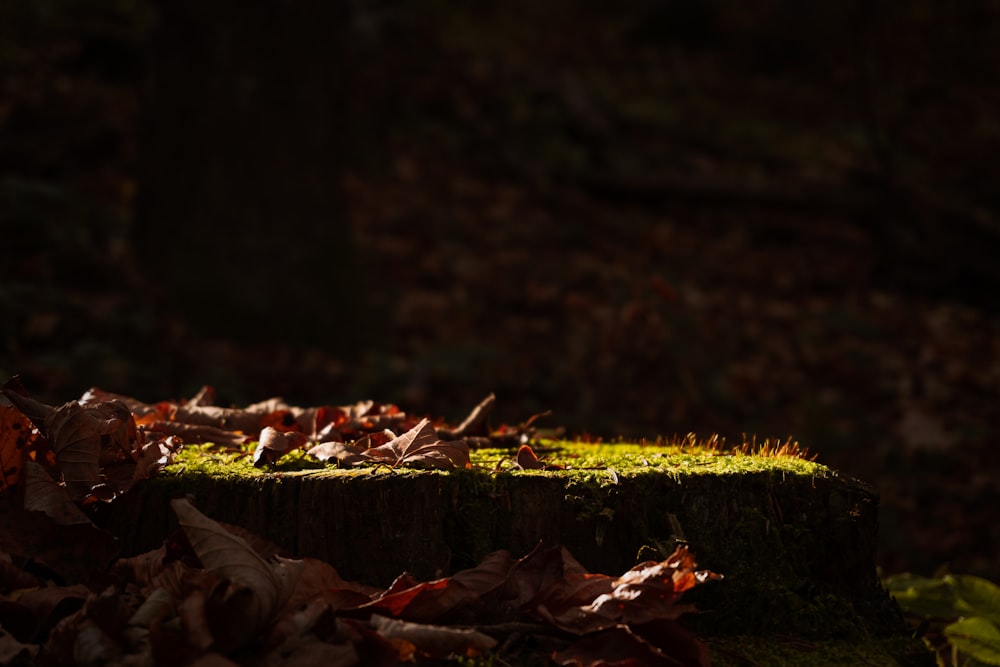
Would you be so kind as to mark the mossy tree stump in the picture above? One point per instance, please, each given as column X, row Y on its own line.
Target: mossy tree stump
column 795, row 540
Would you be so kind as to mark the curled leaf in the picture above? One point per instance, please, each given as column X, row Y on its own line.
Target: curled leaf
column 475, row 424
column 84, row 438
column 527, row 460
column 274, row 444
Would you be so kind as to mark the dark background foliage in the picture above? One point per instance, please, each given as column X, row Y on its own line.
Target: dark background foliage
column 773, row 218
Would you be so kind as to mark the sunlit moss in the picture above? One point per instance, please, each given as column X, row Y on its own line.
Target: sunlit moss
column 637, row 459
column 600, row 463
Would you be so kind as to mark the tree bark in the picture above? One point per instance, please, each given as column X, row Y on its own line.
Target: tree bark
column 787, row 546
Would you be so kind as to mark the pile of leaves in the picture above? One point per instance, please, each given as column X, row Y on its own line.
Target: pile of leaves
column 215, row 594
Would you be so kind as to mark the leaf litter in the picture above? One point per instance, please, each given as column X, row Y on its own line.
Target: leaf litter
column 216, row 594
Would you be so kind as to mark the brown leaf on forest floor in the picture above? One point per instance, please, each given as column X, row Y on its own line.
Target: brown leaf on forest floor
column 434, row 641
column 649, row 591
column 34, row 410
column 16, row 437
column 84, row 438
column 231, row 557
column 419, row 602
column 420, row 447
column 13, row 652
column 44, row 494
column 320, row 579
column 72, row 552
column 622, row 646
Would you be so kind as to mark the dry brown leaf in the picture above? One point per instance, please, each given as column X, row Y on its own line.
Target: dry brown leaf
column 213, row 660
column 16, row 437
column 197, row 433
column 421, row 602
column 420, row 447
column 43, row 494
column 156, row 453
column 476, row 423
column 34, row 410
column 526, row 459
column 617, row 646
column 13, row 652
column 434, row 641
column 85, row 437
column 159, row 605
column 231, row 557
column 311, row 650
column 651, row 590
column 273, row 444
column 342, row 453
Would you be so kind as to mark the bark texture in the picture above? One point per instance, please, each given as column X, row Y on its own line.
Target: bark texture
column 797, row 552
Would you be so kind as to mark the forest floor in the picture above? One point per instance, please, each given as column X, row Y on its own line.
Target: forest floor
column 645, row 240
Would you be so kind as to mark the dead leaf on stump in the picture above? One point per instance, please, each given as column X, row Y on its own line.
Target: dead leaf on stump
column 420, row 447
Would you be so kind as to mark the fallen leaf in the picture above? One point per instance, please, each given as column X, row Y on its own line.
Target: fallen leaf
column 651, row 590
column 82, row 436
column 13, row 652
column 198, row 433
column 273, row 444
column 156, row 453
column 320, row 579
column 342, row 453
column 311, row 650
column 13, row 577
column 34, row 410
column 69, row 553
column 434, row 641
column 48, row 605
column 476, row 423
column 526, row 459
column 231, row 557
column 157, row 606
column 422, row 602
column 420, row 447
column 617, row 647
column 16, row 437
column 43, row 494
column 213, row 660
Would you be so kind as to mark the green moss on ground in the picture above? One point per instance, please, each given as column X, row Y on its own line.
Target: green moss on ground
column 587, row 462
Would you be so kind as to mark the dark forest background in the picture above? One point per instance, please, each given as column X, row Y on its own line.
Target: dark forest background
column 772, row 218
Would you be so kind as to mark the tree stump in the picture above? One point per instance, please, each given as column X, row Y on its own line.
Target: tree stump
column 795, row 541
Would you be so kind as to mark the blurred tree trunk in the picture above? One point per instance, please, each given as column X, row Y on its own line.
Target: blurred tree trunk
column 240, row 219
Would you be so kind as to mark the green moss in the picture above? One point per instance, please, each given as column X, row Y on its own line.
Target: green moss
column 585, row 459
column 600, row 464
